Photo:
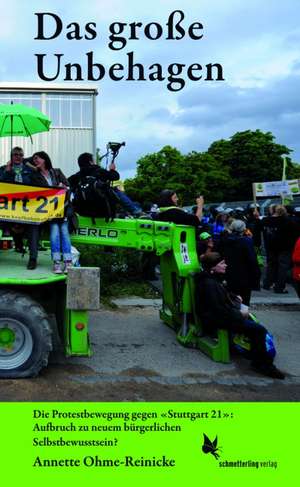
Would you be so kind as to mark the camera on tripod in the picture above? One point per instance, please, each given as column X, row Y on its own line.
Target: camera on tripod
column 114, row 147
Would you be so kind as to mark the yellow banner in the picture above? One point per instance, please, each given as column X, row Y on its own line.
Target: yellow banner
column 30, row 204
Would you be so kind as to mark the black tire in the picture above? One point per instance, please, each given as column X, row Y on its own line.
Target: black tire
column 25, row 336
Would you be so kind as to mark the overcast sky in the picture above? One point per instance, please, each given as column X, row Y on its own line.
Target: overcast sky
column 257, row 43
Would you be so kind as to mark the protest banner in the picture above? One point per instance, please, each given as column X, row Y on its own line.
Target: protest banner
column 30, row 204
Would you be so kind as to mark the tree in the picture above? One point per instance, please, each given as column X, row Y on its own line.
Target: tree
column 224, row 173
column 250, row 156
column 189, row 175
column 211, row 179
column 293, row 170
column 155, row 172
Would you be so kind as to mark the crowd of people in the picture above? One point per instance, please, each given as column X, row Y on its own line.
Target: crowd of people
column 232, row 246
column 260, row 251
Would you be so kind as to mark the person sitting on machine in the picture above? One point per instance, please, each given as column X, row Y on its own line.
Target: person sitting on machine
column 217, row 308
column 88, row 167
column 90, row 187
column 169, row 211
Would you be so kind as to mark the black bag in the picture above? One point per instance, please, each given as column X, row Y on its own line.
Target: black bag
column 94, row 198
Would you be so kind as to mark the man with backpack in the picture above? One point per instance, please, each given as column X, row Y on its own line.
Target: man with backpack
column 90, row 186
column 88, row 167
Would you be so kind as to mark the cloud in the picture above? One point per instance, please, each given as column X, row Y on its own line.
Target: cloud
column 223, row 110
column 256, row 42
column 203, row 115
column 226, row 102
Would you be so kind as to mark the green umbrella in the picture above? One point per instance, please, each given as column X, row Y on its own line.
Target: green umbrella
column 22, row 121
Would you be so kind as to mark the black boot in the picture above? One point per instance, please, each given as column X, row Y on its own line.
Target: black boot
column 18, row 241
column 269, row 370
column 31, row 264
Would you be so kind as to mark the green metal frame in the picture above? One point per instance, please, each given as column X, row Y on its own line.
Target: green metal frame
column 176, row 246
column 136, row 234
column 77, row 340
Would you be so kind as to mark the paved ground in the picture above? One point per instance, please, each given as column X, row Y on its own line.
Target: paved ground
column 137, row 358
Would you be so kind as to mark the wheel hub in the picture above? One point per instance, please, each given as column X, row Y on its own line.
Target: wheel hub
column 16, row 343
column 7, row 337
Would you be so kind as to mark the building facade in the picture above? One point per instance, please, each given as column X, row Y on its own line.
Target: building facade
column 72, row 111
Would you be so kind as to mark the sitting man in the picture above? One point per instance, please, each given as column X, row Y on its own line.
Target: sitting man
column 17, row 171
column 88, row 167
column 218, row 308
column 111, row 195
column 91, row 194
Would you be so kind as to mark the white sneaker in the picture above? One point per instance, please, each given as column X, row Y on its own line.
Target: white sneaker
column 67, row 265
column 57, row 268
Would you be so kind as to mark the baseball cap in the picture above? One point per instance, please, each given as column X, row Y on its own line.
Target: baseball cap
column 205, row 235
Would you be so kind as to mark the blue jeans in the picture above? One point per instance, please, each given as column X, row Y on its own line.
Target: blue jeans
column 257, row 336
column 127, row 203
column 60, row 241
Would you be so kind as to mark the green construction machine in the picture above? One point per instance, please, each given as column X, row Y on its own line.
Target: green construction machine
column 40, row 311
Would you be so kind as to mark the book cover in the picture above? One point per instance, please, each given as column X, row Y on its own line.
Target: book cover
column 199, row 98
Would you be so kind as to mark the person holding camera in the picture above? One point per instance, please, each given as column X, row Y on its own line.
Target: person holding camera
column 88, row 167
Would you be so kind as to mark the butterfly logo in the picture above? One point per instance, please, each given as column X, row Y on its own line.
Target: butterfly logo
column 211, row 446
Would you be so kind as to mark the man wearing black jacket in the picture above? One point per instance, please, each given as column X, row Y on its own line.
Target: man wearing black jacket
column 217, row 308
column 89, row 168
column 280, row 235
column 243, row 273
column 92, row 195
